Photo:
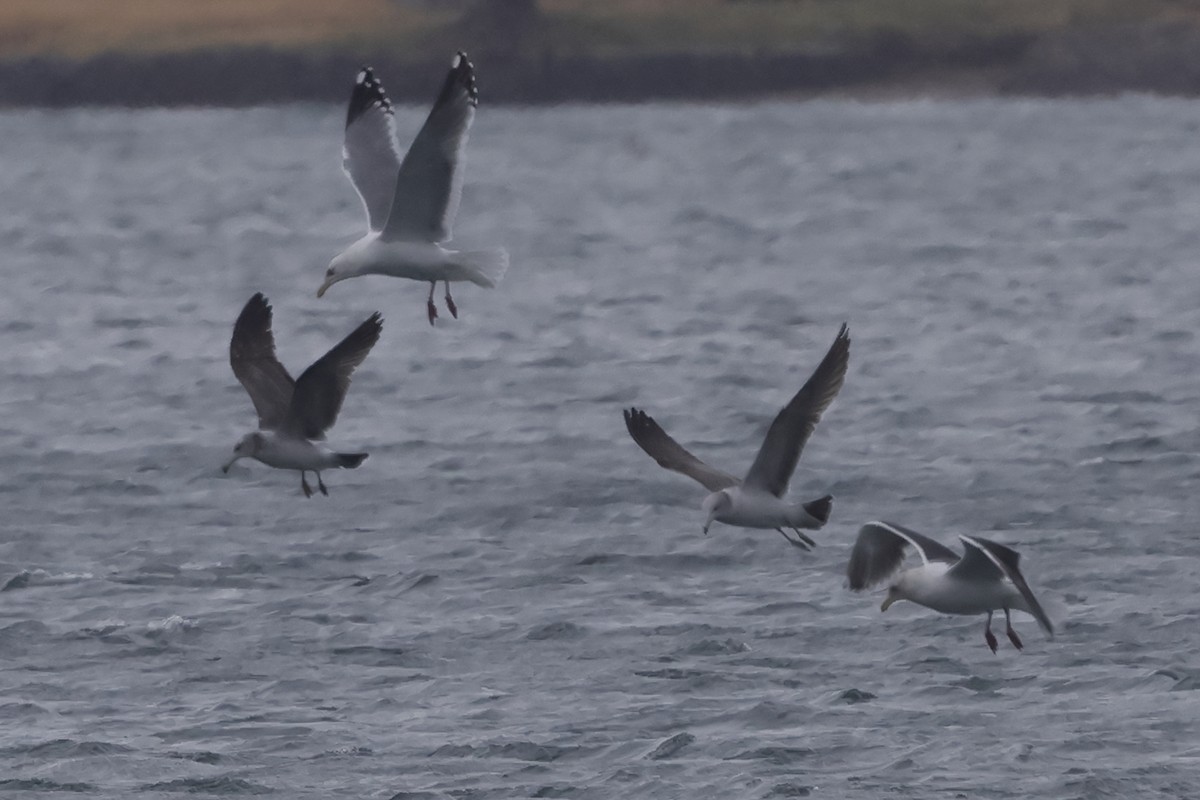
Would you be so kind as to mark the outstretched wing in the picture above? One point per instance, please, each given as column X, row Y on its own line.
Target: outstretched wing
column 321, row 389
column 369, row 153
column 984, row 556
column 780, row 451
column 879, row 551
column 429, row 185
column 252, row 356
column 670, row 454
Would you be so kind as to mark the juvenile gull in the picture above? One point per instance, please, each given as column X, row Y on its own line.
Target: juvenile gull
column 985, row 577
column 757, row 500
column 293, row 415
column 411, row 203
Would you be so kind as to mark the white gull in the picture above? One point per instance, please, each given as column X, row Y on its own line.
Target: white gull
column 293, row 415
column 985, row 577
column 757, row 501
column 411, row 203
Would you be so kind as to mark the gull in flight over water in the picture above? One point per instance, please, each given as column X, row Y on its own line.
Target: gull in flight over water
column 411, row 202
column 757, row 501
column 985, row 577
column 294, row 415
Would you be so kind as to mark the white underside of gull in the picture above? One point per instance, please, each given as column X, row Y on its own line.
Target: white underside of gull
column 286, row 452
column 421, row 261
column 751, row 508
column 929, row 585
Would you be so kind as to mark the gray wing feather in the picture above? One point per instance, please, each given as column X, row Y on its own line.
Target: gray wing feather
column 776, row 460
column 1002, row 562
column 252, row 356
column 879, row 551
column 429, row 186
column 369, row 153
column 322, row 387
column 670, row 454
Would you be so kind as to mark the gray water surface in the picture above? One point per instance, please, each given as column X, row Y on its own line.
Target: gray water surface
column 508, row 598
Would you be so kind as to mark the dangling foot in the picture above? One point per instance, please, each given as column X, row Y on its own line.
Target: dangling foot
column 430, row 308
column 321, row 485
column 1012, row 635
column 793, row 542
column 807, row 540
column 304, row 485
column 450, row 302
column 988, row 636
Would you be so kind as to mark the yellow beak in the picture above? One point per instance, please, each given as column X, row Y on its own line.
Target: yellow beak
column 324, row 286
column 887, row 601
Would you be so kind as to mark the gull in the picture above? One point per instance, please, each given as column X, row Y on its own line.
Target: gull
column 293, row 415
column 985, row 577
column 411, row 202
column 757, row 500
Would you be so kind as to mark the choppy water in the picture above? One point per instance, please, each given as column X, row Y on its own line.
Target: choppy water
column 509, row 599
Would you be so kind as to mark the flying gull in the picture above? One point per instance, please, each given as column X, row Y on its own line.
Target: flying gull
column 293, row 415
column 411, row 202
column 985, row 577
column 757, row 500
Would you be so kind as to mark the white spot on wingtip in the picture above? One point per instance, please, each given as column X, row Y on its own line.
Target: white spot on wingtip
column 363, row 74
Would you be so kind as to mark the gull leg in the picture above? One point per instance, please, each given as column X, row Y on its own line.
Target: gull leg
column 430, row 308
column 805, row 537
column 321, row 485
column 304, row 485
column 1012, row 635
column 988, row 636
column 450, row 302
column 794, row 542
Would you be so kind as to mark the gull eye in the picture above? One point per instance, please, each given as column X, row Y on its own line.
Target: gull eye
column 329, row 272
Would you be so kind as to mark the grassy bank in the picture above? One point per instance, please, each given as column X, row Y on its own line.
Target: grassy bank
column 141, row 52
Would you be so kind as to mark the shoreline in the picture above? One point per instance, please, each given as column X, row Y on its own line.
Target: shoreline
column 1142, row 58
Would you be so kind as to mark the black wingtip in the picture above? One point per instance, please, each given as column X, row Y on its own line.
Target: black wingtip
column 368, row 94
column 635, row 419
column 462, row 73
column 256, row 307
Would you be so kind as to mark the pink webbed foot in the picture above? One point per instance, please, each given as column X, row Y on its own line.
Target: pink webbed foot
column 988, row 636
column 450, row 302
column 308, row 492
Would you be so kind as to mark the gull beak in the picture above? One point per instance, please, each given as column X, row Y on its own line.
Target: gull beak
column 232, row 461
column 325, row 287
column 887, row 602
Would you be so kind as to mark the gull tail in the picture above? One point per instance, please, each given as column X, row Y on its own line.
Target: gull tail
column 483, row 267
column 818, row 511
column 350, row 460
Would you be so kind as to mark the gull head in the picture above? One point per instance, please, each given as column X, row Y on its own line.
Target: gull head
column 332, row 276
column 894, row 593
column 714, row 506
column 247, row 447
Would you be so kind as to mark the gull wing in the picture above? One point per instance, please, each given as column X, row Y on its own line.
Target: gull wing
column 670, row 454
column 252, row 356
column 780, row 451
column 984, row 557
column 369, row 153
column 429, row 185
column 322, row 387
column 879, row 551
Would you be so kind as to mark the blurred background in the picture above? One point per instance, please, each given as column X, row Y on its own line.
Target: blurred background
column 232, row 52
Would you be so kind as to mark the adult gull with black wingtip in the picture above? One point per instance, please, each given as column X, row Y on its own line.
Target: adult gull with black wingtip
column 985, row 577
column 757, row 500
column 294, row 415
column 411, row 203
